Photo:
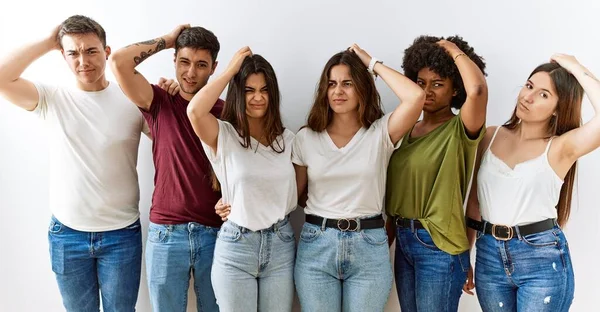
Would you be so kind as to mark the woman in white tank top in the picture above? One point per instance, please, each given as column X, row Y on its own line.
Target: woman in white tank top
column 522, row 194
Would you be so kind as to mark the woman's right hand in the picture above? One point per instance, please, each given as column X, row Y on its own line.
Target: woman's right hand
column 223, row 210
column 238, row 58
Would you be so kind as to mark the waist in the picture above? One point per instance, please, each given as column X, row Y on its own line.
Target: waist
column 506, row 232
column 347, row 224
column 273, row 228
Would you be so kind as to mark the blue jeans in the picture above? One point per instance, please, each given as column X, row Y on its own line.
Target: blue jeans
column 427, row 278
column 526, row 273
column 173, row 253
column 93, row 264
column 343, row 270
column 254, row 270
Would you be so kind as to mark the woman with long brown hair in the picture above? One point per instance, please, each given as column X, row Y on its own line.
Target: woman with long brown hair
column 524, row 187
column 342, row 155
column 250, row 153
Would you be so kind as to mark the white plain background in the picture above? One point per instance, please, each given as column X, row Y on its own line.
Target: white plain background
column 297, row 38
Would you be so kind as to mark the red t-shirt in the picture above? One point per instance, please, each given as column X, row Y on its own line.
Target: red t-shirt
column 182, row 180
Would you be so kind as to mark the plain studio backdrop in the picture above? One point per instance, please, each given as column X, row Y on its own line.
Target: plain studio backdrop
column 297, row 38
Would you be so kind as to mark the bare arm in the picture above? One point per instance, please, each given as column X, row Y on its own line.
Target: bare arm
column 301, row 183
column 473, row 201
column 411, row 96
column 473, row 111
column 586, row 138
column 124, row 61
column 15, row 89
column 204, row 123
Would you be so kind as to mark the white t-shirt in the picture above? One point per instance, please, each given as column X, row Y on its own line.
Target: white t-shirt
column 93, row 139
column 258, row 183
column 347, row 182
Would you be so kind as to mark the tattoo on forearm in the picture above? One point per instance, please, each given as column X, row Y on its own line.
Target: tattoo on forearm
column 146, row 54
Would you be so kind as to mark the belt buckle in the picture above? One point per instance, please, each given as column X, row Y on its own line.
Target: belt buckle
column 509, row 229
column 348, row 222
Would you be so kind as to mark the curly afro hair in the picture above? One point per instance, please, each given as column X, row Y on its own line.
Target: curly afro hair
column 426, row 53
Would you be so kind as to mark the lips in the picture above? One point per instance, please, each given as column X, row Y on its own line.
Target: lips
column 523, row 106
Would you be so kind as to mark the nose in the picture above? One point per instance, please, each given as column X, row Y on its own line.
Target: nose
column 257, row 96
column 528, row 97
column 427, row 89
column 338, row 89
column 82, row 59
column 191, row 72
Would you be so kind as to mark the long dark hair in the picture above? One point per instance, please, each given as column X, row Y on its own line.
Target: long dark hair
column 369, row 101
column 567, row 118
column 234, row 111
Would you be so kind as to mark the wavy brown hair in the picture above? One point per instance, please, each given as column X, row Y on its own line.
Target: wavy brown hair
column 234, row 110
column 568, row 117
column 369, row 101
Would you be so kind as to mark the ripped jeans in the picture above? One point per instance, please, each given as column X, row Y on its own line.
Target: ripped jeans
column 526, row 273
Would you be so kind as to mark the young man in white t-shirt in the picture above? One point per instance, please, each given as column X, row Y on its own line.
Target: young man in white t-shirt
column 94, row 132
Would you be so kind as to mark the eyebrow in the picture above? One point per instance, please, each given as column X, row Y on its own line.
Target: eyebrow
column 251, row 88
column 533, row 84
column 347, row 80
column 434, row 80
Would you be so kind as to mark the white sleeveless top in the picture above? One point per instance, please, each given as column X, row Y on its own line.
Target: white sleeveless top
column 526, row 194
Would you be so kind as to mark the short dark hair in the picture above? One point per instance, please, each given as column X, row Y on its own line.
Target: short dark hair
column 79, row 24
column 198, row 38
column 426, row 53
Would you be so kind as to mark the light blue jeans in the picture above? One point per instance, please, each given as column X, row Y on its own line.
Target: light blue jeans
column 343, row 270
column 527, row 273
column 254, row 270
column 173, row 253
column 94, row 265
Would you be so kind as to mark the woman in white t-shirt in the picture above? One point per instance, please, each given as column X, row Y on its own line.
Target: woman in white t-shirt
column 250, row 152
column 342, row 155
column 524, row 187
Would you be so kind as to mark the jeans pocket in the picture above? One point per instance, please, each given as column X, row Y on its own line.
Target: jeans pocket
column 229, row 233
column 55, row 226
column 374, row 236
column 286, row 233
column 424, row 238
column 478, row 234
column 310, row 232
column 541, row 239
column 158, row 233
column 465, row 261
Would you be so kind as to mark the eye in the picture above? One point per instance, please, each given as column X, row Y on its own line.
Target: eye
column 544, row 95
column 528, row 86
column 347, row 84
column 421, row 83
column 92, row 52
column 203, row 65
column 331, row 84
column 438, row 85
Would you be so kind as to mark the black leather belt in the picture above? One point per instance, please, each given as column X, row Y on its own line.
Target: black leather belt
column 406, row 223
column 353, row 224
column 505, row 232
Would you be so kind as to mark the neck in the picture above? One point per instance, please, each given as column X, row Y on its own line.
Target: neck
column 347, row 122
column 187, row 96
column 256, row 127
column 437, row 117
column 532, row 130
column 99, row 85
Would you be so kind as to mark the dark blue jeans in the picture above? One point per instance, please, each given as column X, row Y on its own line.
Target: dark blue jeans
column 427, row 278
column 526, row 273
column 90, row 265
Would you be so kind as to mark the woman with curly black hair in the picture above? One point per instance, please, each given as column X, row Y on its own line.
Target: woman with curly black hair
column 429, row 175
